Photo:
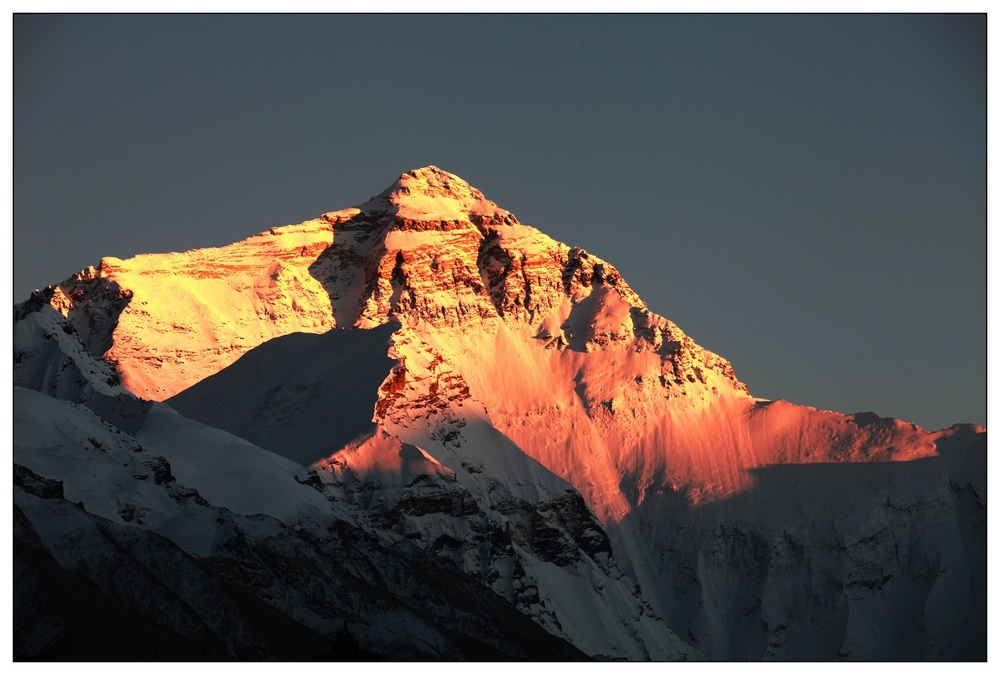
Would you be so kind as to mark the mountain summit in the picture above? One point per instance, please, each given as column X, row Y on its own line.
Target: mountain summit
column 432, row 194
column 448, row 377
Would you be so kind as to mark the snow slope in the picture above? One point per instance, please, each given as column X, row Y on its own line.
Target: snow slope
column 116, row 558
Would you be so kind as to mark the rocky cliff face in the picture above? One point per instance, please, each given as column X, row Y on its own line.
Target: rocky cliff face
column 503, row 403
column 430, row 248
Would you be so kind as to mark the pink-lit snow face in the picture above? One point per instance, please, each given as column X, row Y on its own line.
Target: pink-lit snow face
column 497, row 323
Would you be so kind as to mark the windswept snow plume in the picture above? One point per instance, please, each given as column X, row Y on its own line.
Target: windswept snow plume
column 424, row 388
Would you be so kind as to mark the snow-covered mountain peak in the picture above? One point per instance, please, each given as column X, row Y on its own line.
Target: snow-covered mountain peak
column 468, row 391
column 432, row 194
column 429, row 249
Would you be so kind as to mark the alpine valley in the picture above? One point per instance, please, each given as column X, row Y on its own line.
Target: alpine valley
column 419, row 429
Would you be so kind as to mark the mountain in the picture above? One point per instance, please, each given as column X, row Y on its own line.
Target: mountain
column 183, row 542
column 428, row 372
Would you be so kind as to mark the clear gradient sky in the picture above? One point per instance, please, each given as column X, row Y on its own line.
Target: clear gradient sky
column 805, row 195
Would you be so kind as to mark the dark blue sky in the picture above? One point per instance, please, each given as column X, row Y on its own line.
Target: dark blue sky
column 805, row 195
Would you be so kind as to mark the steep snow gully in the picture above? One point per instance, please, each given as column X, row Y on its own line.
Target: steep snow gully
column 420, row 429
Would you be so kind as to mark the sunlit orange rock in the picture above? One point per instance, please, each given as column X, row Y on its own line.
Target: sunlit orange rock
column 547, row 340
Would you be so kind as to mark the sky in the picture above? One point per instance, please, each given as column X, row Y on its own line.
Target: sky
column 803, row 194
